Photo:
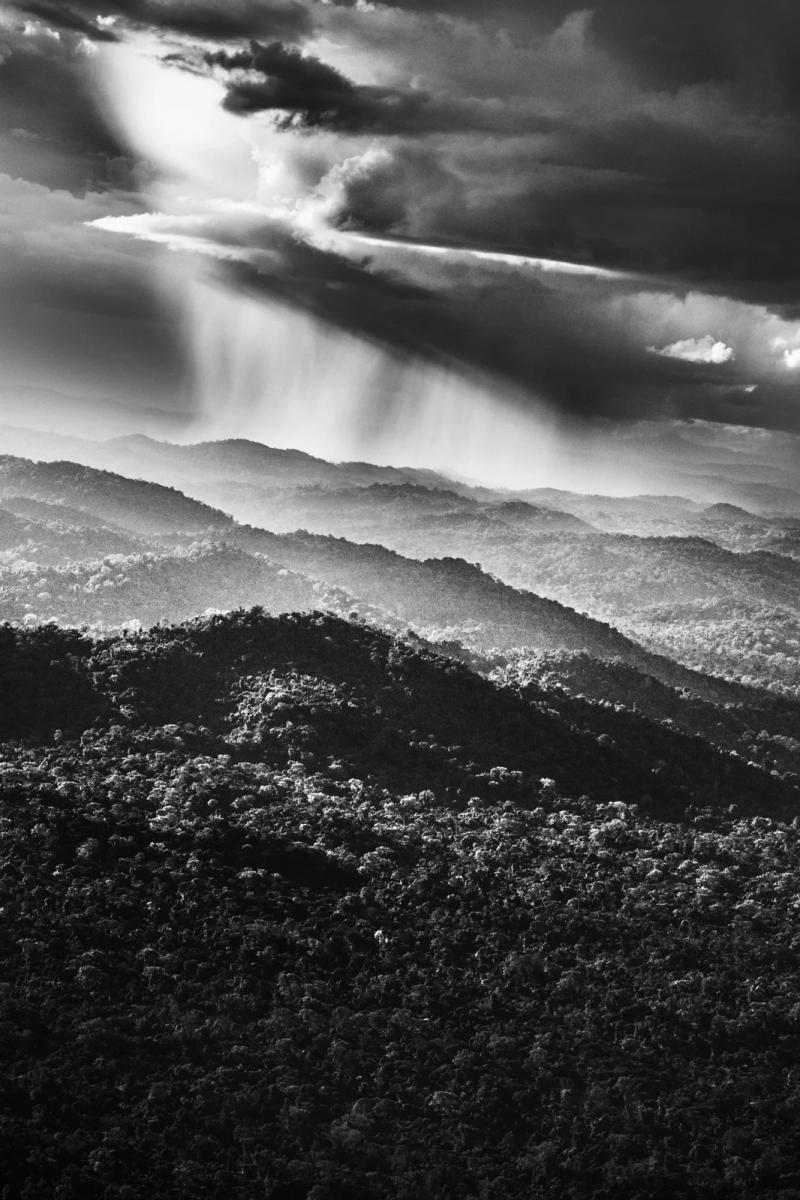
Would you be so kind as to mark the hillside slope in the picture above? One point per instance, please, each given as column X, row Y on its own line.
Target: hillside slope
column 64, row 563
column 321, row 689
column 137, row 506
column 290, row 909
column 449, row 597
column 172, row 576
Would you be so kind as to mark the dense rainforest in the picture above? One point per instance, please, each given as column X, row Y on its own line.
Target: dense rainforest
column 295, row 908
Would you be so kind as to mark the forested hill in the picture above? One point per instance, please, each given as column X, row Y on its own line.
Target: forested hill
column 452, row 597
column 234, row 459
column 323, row 690
column 294, row 909
column 140, row 507
column 84, row 546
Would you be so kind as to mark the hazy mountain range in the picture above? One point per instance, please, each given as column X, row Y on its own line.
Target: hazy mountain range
column 695, row 622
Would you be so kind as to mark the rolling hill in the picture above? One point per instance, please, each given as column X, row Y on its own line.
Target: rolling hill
column 138, row 506
column 294, row 908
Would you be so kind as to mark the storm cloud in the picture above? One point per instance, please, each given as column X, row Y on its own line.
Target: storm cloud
column 657, row 142
column 642, row 136
column 309, row 94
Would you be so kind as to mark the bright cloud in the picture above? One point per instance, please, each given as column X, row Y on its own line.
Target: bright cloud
column 697, row 350
column 789, row 353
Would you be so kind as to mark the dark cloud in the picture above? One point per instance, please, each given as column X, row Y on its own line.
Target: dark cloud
column 714, row 208
column 53, row 132
column 228, row 19
column 222, row 20
column 313, row 95
column 581, row 344
column 667, row 45
column 689, row 170
column 694, row 41
column 290, row 82
column 691, row 185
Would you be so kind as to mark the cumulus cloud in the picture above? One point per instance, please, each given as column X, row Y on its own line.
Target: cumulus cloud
column 788, row 351
column 399, row 189
column 697, row 350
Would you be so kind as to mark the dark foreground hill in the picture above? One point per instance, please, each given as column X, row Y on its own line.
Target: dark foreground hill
column 294, row 910
column 321, row 690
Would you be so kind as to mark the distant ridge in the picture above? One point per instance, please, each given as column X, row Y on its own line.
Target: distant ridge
column 134, row 504
column 730, row 512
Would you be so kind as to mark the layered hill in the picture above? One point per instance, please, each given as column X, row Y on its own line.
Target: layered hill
column 138, row 506
column 60, row 562
column 145, row 588
column 175, row 576
column 387, row 511
column 451, row 598
column 725, row 609
column 722, row 598
column 209, row 464
column 758, row 725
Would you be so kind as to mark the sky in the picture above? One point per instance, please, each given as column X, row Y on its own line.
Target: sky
column 373, row 226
